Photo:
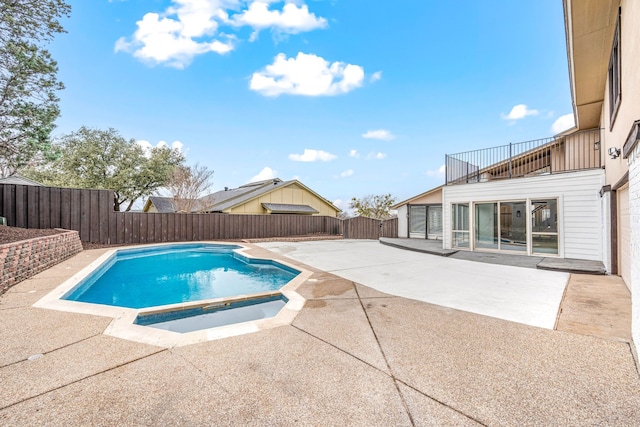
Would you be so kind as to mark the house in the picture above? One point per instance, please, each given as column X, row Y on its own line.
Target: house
column 420, row 217
column 603, row 44
column 19, row 180
column 268, row 197
column 535, row 198
column 563, row 196
column 573, row 195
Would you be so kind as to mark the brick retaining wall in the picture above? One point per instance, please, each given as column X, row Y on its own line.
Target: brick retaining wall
column 26, row 258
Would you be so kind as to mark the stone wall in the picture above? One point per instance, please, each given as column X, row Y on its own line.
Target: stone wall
column 26, row 258
column 634, row 212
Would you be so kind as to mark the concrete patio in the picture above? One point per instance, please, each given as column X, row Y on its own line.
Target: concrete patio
column 353, row 356
column 506, row 292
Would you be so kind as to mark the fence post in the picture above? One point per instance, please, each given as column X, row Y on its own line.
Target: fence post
column 510, row 158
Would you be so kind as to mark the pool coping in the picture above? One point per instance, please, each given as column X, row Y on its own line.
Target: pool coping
column 123, row 326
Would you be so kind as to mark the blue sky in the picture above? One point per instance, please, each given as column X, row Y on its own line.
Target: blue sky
column 350, row 97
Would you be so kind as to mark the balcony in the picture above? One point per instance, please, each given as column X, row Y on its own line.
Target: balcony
column 574, row 152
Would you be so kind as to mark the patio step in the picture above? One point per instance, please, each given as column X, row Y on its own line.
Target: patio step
column 571, row 265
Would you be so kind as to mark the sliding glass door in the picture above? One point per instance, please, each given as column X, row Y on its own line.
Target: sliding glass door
column 486, row 232
column 507, row 231
column 503, row 226
column 544, row 226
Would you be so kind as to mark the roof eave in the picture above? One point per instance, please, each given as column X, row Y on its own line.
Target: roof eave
column 589, row 28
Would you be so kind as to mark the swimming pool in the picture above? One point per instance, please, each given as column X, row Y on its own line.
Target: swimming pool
column 149, row 277
column 176, row 294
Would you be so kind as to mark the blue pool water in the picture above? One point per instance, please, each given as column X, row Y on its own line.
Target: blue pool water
column 140, row 278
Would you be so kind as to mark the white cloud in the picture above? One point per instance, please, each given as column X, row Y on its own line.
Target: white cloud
column 264, row 174
column 291, row 20
column 377, row 156
column 312, row 156
column 339, row 203
column 346, row 173
column 306, row 74
column 343, row 205
column 188, row 28
column 382, row 134
column 147, row 146
column 354, row 154
column 162, row 39
column 563, row 123
column 375, row 76
column 439, row 173
column 518, row 112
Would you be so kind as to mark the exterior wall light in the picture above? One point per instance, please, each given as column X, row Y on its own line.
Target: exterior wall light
column 614, row 152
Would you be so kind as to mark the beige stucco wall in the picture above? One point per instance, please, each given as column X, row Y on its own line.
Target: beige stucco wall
column 151, row 208
column 629, row 110
column 431, row 198
column 291, row 194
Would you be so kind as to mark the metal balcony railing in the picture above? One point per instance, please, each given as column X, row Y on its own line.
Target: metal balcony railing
column 577, row 151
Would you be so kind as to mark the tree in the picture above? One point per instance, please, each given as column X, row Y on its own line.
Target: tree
column 187, row 184
column 28, row 82
column 373, row 206
column 102, row 159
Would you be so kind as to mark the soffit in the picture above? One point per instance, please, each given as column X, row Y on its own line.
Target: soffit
column 591, row 24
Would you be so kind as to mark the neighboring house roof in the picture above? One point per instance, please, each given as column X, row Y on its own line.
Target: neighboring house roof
column 229, row 198
column 162, row 204
column 19, row 180
column 287, row 208
column 589, row 28
column 419, row 196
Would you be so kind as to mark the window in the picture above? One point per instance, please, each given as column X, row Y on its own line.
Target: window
column 425, row 221
column 615, row 86
column 418, row 222
column 435, row 221
column 460, row 222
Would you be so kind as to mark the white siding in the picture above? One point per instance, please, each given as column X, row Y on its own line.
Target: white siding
column 634, row 216
column 605, row 212
column 624, row 236
column 403, row 226
column 579, row 210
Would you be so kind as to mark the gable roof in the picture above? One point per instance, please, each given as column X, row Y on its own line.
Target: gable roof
column 162, row 204
column 252, row 191
column 231, row 197
column 419, row 196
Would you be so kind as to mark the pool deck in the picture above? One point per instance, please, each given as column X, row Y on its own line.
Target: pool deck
column 434, row 247
column 353, row 356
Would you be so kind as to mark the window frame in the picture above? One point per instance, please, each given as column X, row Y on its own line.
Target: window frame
column 555, row 233
column 614, row 73
column 455, row 230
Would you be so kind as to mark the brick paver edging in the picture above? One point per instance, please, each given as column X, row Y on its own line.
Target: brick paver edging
column 25, row 258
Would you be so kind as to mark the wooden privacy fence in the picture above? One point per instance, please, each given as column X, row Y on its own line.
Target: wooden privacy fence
column 90, row 212
column 368, row 228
